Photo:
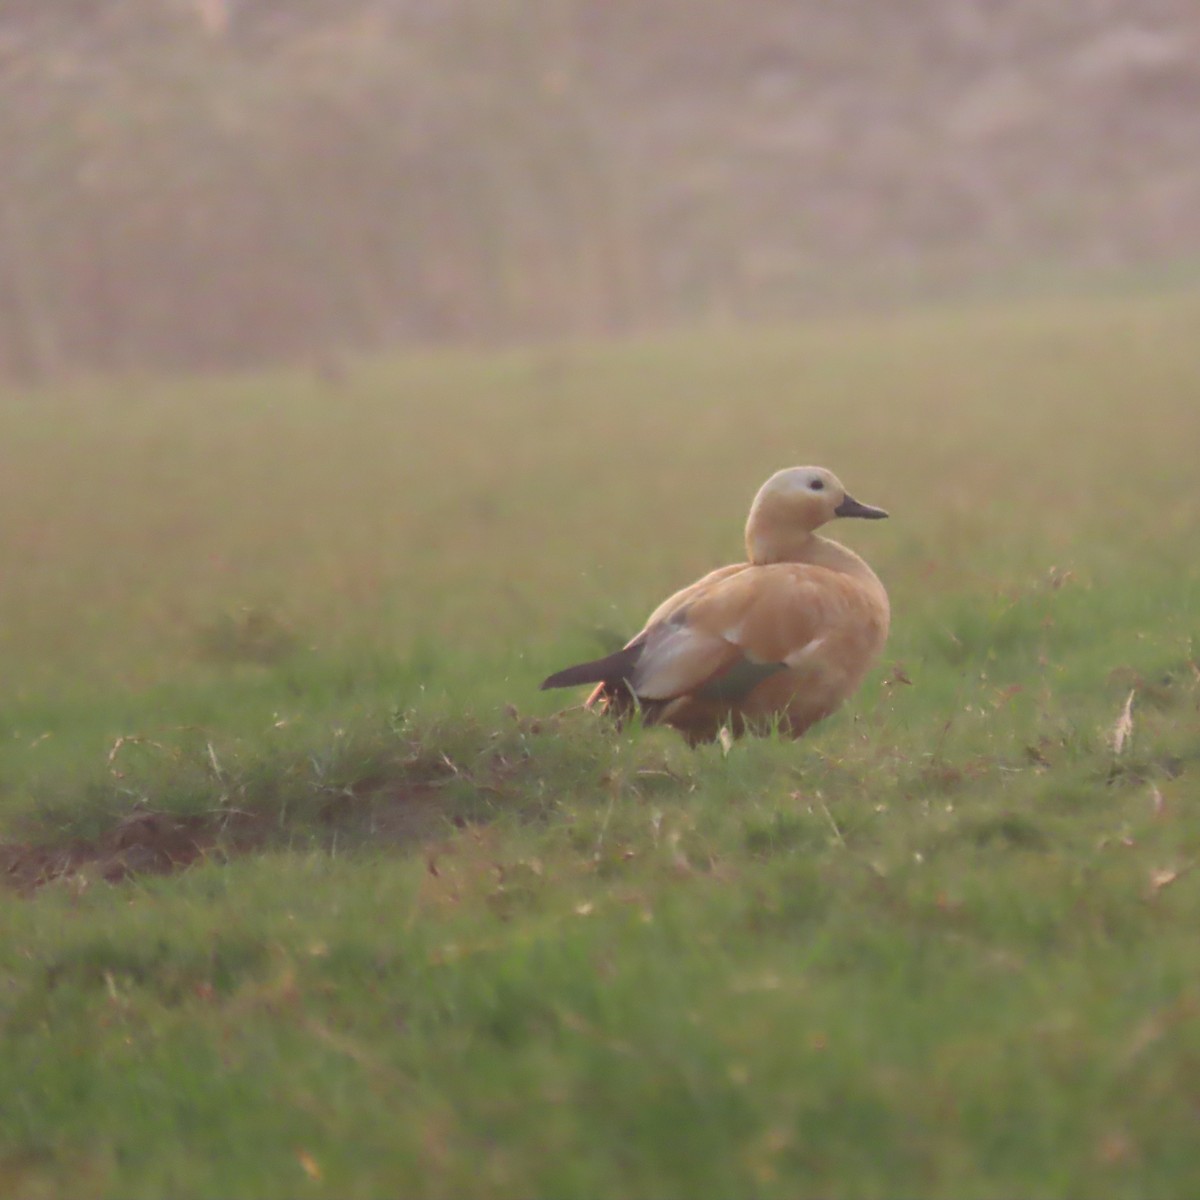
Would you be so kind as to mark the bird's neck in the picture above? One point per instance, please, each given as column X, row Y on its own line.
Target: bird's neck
column 774, row 545
column 791, row 545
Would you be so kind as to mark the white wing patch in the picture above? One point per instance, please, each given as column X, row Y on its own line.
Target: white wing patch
column 675, row 661
column 735, row 633
column 802, row 654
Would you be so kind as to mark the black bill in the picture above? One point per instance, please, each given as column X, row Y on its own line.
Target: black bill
column 850, row 507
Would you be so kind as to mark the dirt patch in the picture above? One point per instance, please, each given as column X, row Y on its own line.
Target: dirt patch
column 396, row 806
column 158, row 843
column 144, row 843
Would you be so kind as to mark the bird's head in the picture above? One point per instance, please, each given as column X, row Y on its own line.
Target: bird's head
column 791, row 505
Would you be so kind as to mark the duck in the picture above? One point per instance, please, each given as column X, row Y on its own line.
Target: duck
column 779, row 641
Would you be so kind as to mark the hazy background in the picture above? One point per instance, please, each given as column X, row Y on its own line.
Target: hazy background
column 207, row 183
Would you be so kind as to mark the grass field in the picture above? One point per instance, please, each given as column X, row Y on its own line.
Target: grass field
column 440, row 939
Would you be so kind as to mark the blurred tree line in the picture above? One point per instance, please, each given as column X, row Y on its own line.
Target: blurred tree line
column 197, row 183
column 201, row 182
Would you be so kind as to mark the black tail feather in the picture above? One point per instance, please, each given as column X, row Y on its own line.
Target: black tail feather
column 613, row 668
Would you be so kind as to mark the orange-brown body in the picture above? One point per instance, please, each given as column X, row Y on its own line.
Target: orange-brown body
column 782, row 639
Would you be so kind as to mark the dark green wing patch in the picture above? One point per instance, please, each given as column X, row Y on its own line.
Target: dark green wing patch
column 741, row 679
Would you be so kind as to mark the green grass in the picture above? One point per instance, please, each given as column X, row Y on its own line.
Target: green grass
column 444, row 940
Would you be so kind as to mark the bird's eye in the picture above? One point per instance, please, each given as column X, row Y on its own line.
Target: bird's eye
column 817, row 485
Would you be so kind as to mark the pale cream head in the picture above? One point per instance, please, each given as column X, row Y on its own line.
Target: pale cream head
column 793, row 503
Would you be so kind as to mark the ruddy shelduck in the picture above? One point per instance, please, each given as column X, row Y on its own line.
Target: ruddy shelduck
column 779, row 640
